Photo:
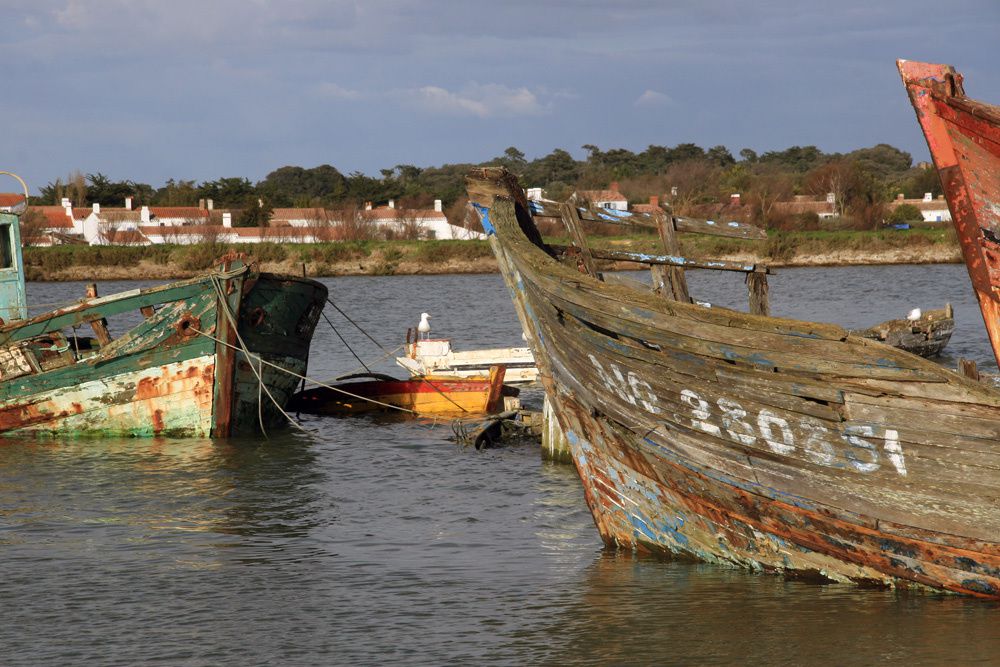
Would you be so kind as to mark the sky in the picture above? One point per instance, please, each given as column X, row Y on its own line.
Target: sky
column 148, row 90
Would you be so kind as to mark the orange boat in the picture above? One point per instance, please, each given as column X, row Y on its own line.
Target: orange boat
column 426, row 395
column 964, row 139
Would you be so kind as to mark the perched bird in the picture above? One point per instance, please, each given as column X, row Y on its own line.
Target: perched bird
column 914, row 315
column 424, row 327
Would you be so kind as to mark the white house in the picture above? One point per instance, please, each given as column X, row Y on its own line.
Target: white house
column 610, row 199
column 932, row 210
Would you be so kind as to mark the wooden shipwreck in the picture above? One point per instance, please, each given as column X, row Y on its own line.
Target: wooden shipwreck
column 924, row 333
column 740, row 438
column 217, row 355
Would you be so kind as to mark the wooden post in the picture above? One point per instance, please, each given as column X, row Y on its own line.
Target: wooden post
column 670, row 279
column 967, row 367
column 757, row 288
column 571, row 219
column 100, row 325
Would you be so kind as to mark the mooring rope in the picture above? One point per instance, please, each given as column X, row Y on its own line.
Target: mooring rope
column 379, row 345
column 243, row 347
column 301, row 377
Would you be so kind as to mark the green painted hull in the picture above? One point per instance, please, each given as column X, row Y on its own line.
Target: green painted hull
column 181, row 371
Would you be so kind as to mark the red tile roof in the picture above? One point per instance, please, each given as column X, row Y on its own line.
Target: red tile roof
column 9, row 199
column 185, row 212
column 55, row 217
column 602, row 195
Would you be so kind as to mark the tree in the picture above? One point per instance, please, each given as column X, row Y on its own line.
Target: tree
column 104, row 191
column 289, row 185
column 768, row 186
column 797, row 158
column 882, row 160
column 749, row 155
column 721, row 156
column 697, row 182
column 558, row 165
column 905, row 213
column 257, row 213
column 228, row 192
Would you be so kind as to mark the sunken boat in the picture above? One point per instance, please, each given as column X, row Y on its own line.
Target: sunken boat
column 217, row 355
column 922, row 332
column 740, row 438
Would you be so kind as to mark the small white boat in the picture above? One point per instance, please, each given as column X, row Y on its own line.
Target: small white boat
column 435, row 357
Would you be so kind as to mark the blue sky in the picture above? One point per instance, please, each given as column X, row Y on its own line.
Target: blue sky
column 200, row 89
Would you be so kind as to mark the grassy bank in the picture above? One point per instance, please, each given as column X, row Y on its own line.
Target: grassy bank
column 161, row 262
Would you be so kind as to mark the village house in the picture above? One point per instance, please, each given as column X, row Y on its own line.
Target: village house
column 932, row 210
column 652, row 207
column 610, row 199
column 185, row 225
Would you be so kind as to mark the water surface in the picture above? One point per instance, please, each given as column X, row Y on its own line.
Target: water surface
column 378, row 540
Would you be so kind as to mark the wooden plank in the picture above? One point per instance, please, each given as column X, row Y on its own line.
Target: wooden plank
column 672, row 278
column 672, row 261
column 99, row 325
column 571, row 220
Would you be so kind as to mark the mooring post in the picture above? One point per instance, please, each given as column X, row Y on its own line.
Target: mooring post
column 757, row 288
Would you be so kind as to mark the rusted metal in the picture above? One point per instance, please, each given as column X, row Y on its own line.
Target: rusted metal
column 773, row 444
column 964, row 139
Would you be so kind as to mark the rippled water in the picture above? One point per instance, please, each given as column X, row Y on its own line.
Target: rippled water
column 369, row 541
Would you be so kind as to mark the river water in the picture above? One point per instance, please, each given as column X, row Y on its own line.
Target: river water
column 378, row 540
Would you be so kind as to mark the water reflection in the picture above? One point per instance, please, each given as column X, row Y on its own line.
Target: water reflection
column 142, row 492
column 634, row 610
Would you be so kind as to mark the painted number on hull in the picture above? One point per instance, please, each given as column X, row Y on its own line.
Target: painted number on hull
column 854, row 447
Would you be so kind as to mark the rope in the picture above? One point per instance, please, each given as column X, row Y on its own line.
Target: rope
column 303, row 377
column 379, row 345
column 356, row 325
column 349, row 348
column 232, row 322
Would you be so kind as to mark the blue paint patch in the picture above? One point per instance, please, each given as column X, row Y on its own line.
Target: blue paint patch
column 979, row 586
column 484, row 215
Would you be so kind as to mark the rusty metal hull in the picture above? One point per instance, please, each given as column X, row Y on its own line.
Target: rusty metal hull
column 172, row 374
column 771, row 444
column 964, row 139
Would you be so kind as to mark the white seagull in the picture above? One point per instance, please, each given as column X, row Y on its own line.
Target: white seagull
column 914, row 315
column 424, row 327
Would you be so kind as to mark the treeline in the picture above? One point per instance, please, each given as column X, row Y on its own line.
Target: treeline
column 688, row 176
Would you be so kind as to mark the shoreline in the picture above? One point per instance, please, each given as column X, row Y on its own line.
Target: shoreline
column 146, row 270
column 411, row 258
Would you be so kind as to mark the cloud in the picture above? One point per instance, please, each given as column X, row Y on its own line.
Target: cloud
column 652, row 98
column 338, row 92
column 484, row 101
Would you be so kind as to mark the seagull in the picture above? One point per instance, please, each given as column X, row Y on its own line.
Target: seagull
column 914, row 315
column 424, row 327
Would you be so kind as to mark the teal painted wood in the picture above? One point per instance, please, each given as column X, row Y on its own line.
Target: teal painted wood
column 161, row 376
column 13, row 304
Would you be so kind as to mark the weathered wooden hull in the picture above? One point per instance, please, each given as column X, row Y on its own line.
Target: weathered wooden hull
column 174, row 373
column 964, row 139
column 755, row 441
